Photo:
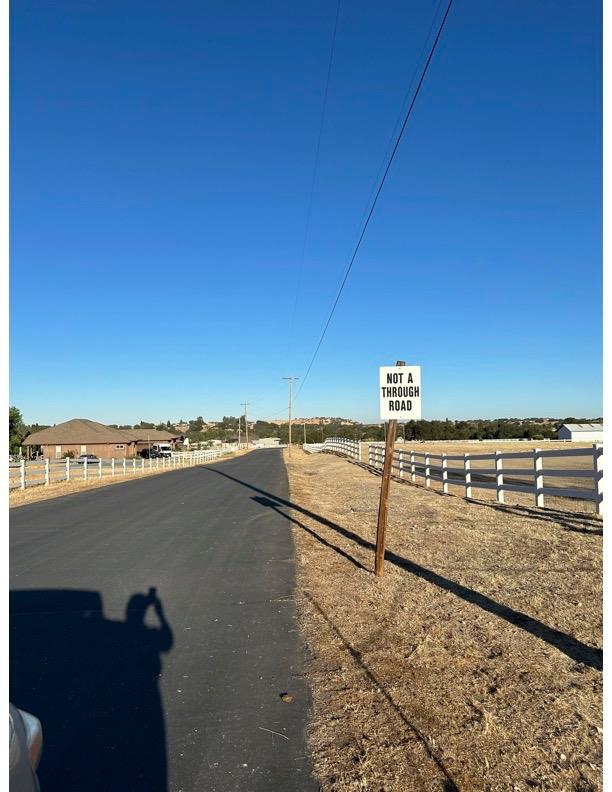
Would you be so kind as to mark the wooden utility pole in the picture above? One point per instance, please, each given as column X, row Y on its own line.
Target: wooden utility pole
column 246, row 422
column 384, row 494
column 290, row 380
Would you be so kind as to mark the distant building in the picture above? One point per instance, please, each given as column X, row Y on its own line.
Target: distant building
column 80, row 436
column 581, row 433
column 143, row 438
column 266, row 442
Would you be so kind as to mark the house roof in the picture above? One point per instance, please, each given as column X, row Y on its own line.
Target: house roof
column 154, row 435
column 78, row 430
column 588, row 427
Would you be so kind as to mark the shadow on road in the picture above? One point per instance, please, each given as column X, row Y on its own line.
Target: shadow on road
column 93, row 683
column 573, row 648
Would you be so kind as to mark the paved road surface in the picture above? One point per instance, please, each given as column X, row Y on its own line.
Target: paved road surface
column 171, row 689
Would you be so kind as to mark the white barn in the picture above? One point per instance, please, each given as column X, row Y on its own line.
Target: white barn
column 581, row 433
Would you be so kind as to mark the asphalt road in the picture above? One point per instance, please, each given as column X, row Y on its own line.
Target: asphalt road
column 178, row 688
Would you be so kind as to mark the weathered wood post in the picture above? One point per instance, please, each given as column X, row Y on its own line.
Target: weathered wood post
column 598, row 476
column 444, row 474
column 383, row 504
column 538, row 477
column 468, row 475
column 499, row 477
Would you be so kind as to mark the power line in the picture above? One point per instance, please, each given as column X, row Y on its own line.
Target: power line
column 314, row 175
column 376, row 196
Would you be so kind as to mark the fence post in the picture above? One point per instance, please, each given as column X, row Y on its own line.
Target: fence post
column 112, row 466
column 157, row 464
column 22, row 472
column 412, row 468
column 370, row 455
column 359, row 450
column 598, row 476
column 134, row 466
column 468, row 475
column 499, row 477
column 124, row 465
column 538, row 477
column 100, row 468
column 427, row 471
column 401, row 463
column 150, row 464
column 85, row 470
column 67, row 468
column 142, row 465
column 444, row 475
column 46, row 472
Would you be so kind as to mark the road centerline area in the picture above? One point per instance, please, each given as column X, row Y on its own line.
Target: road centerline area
column 153, row 633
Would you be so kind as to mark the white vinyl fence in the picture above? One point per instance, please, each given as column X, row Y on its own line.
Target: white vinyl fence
column 526, row 477
column 339, row 445
column 42, row 472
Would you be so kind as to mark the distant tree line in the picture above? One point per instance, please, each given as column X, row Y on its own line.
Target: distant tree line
column 227, row 430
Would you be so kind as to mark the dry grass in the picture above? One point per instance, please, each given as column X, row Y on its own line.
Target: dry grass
column 473, row 664
column 475, row 449
column 19, row 497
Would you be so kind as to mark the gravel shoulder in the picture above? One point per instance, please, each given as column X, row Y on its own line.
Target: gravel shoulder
column 473, row 664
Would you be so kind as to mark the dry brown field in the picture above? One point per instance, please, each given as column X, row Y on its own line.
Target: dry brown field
column 473, row 664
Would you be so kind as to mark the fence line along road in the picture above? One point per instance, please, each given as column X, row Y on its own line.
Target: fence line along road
column 43, row 472
column 498, row 477
column 339, row 445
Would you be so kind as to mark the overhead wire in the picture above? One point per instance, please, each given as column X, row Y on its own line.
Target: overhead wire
column 314, row 176
column 376, row 196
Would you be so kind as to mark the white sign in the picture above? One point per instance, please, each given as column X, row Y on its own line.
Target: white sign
column 400, row 393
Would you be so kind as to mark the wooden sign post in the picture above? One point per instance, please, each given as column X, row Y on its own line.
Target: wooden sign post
column 400, row 400
column 384, row 494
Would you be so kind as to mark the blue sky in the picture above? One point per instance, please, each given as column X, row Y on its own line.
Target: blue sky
column 161, row 161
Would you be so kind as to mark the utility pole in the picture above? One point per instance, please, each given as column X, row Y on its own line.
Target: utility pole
column 290, row 380
column 246, row 422
column 239, row 418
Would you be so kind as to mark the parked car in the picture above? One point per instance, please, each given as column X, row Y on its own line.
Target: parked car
column 92, row 459
column 25, row 748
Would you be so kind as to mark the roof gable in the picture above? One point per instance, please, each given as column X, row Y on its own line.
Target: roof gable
column 79, row 431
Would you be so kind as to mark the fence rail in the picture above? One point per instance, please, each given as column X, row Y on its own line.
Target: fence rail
column 515, row 478
column 43, row 472
column 339, row 445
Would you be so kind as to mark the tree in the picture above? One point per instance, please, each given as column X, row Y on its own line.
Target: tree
column 17, row 430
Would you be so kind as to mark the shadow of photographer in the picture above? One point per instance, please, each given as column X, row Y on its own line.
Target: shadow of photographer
column 94, row 684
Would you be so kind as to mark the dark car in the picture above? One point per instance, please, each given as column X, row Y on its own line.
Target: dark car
column 92, row 459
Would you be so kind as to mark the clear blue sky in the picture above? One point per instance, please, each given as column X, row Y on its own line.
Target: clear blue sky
column 161, row 160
